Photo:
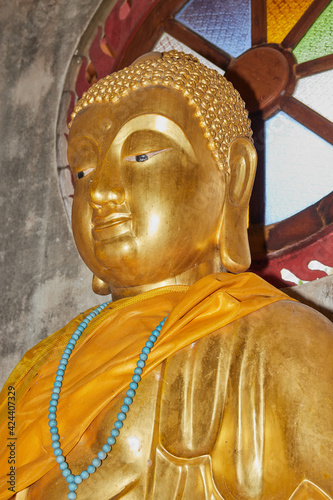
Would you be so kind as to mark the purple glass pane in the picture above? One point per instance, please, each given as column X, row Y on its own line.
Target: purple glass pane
column 225, row 23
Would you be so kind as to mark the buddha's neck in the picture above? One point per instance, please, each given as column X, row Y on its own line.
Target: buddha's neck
column 188, row 277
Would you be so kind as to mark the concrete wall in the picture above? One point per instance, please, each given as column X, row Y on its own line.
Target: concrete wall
column 43, row 280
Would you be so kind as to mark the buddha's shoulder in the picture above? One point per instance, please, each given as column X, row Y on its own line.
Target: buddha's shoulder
column 284, row 313
column 286, row 327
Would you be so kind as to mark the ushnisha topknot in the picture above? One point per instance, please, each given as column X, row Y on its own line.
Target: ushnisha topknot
column 217, row 104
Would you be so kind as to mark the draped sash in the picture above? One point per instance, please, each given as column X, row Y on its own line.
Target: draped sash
column 103, row 362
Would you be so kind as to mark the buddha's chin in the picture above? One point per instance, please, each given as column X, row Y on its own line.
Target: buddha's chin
column 117, row 259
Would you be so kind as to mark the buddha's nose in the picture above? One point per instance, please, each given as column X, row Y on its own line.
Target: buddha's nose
column 106, row 186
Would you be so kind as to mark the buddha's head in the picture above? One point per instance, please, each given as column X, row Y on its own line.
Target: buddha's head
column 164, row 164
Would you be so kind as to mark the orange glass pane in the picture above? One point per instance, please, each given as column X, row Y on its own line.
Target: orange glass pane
column 282, row 15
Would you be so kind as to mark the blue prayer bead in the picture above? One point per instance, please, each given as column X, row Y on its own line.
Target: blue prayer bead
column 136, row 378
column 60, row 459
column 140, row 363
column 65, row 355
column 111, row 440
column 53, row 402
column 146, row 350
column 66, row 472
column 133, row 385
column 71, row 495
column 58, row 384
column 80, row 329
column 101, row 455
column 62, row 367
column 57, row 452
column 121, row 416
column 84, row 474
column 63, row 466
column 130, row 393
column 128, row 401
column 64, row 362
column 114, row 433
column 54, row 430
column 67, row 351
column 85, row 322
column 118, row 424
column 55, row 437
column 59, row 378
column 155, row 332
column 124, row 408
column 52, row 415
column 78, row 480
column 149, row 344
column 143, row 356
column 75, row 336
column 71, row 342
column 152, row 338
column 55, row 396
column 91, row 469
column 159, row 327
column 72, row 486
column 96, row 462
column 52, row 423
column 138, row 370
column 70, row 478
column 60, row 372
column 55, row 445
column 56, row 390
column 106, row 448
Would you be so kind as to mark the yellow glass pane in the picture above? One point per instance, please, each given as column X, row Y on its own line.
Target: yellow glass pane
column 282, row 15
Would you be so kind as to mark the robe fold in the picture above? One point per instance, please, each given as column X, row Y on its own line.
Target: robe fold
column 103, row 362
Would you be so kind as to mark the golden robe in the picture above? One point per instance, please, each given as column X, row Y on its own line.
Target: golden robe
column 103, row 361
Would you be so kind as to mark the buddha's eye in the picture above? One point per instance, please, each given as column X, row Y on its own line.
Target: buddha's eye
column 140, row 158
column 83, row 173
column 145, row 156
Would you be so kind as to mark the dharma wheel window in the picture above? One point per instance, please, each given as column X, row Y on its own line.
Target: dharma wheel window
column 279, row 55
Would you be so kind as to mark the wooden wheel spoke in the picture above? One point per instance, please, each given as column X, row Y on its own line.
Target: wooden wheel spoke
column 258, row 22
column 308, row 117
column 315, row 66
column 196, row 42
column 304, row 23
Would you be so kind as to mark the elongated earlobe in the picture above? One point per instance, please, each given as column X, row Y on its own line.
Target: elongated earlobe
column 99, row 286
column 234, row 245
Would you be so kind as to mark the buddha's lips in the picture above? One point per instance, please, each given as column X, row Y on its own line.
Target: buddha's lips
column 109, row 221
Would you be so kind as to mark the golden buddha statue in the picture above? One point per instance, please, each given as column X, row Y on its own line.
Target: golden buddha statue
column 236, row 395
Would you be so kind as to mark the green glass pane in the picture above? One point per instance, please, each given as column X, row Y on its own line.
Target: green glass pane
column 318, row 41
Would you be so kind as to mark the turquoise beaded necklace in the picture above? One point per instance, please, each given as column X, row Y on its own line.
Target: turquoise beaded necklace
column 74, row 481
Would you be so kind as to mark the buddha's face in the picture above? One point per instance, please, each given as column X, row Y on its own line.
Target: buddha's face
column 148, row 196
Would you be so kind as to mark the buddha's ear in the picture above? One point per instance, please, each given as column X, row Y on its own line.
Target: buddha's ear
column 99, row 286
column 234, row 244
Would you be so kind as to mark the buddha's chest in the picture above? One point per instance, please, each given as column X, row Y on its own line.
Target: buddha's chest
column 169, row 427
column 126, row 470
